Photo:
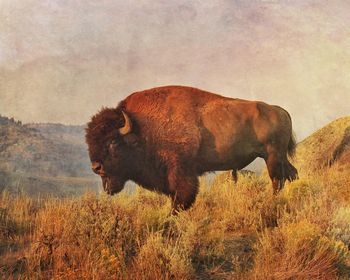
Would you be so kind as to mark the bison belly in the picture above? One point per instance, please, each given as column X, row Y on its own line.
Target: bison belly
column 228, row 138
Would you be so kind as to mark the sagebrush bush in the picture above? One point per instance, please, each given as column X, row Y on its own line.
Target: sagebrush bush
column 297, row 251
column 161, row 258
column 340, row 225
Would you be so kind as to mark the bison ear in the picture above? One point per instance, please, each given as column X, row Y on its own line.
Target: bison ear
column 127, row 125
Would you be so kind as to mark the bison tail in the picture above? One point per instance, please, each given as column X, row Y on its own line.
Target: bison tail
column 292, row 145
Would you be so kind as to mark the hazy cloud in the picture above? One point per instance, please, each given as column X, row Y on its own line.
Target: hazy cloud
column 62, row 60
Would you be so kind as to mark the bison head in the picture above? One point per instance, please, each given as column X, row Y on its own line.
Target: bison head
column 108, row 149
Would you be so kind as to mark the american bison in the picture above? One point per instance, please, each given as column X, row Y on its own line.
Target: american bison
column 164, row 138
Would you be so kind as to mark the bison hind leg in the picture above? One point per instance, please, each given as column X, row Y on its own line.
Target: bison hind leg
column 292, row 172
column 280, row 169
column 279, row 172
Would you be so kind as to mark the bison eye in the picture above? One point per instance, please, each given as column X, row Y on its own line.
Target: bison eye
column 112, row 146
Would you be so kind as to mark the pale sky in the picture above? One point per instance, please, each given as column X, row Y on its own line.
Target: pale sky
column 61, row 60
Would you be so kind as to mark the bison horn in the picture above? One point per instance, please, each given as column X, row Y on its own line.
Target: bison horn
column 127, row 126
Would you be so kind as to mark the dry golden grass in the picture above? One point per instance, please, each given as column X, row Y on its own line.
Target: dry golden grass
column 324, row 146
column 234, row 231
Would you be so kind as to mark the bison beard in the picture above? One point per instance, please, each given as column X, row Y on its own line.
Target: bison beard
column 164, row 138
column 111, row 185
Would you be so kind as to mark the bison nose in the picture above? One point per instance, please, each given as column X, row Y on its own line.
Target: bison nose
column 96, row 167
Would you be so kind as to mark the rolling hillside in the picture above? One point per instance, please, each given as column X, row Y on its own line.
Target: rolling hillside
column 328, row 146
column 43, row 158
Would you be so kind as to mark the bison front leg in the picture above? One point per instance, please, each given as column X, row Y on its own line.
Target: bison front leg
column 183, row 188
column 182, row 180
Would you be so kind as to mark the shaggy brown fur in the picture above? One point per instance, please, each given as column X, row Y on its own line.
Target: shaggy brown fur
column 178, row 133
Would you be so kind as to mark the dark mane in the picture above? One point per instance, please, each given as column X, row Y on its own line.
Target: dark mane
column 102, row 127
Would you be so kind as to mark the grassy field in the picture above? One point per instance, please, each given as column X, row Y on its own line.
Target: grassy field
column 234, row 231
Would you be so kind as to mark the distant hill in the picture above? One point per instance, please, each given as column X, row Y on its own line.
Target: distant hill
column 328, row 146
column 47, row 150
column 37, row 155
column 69, row 134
